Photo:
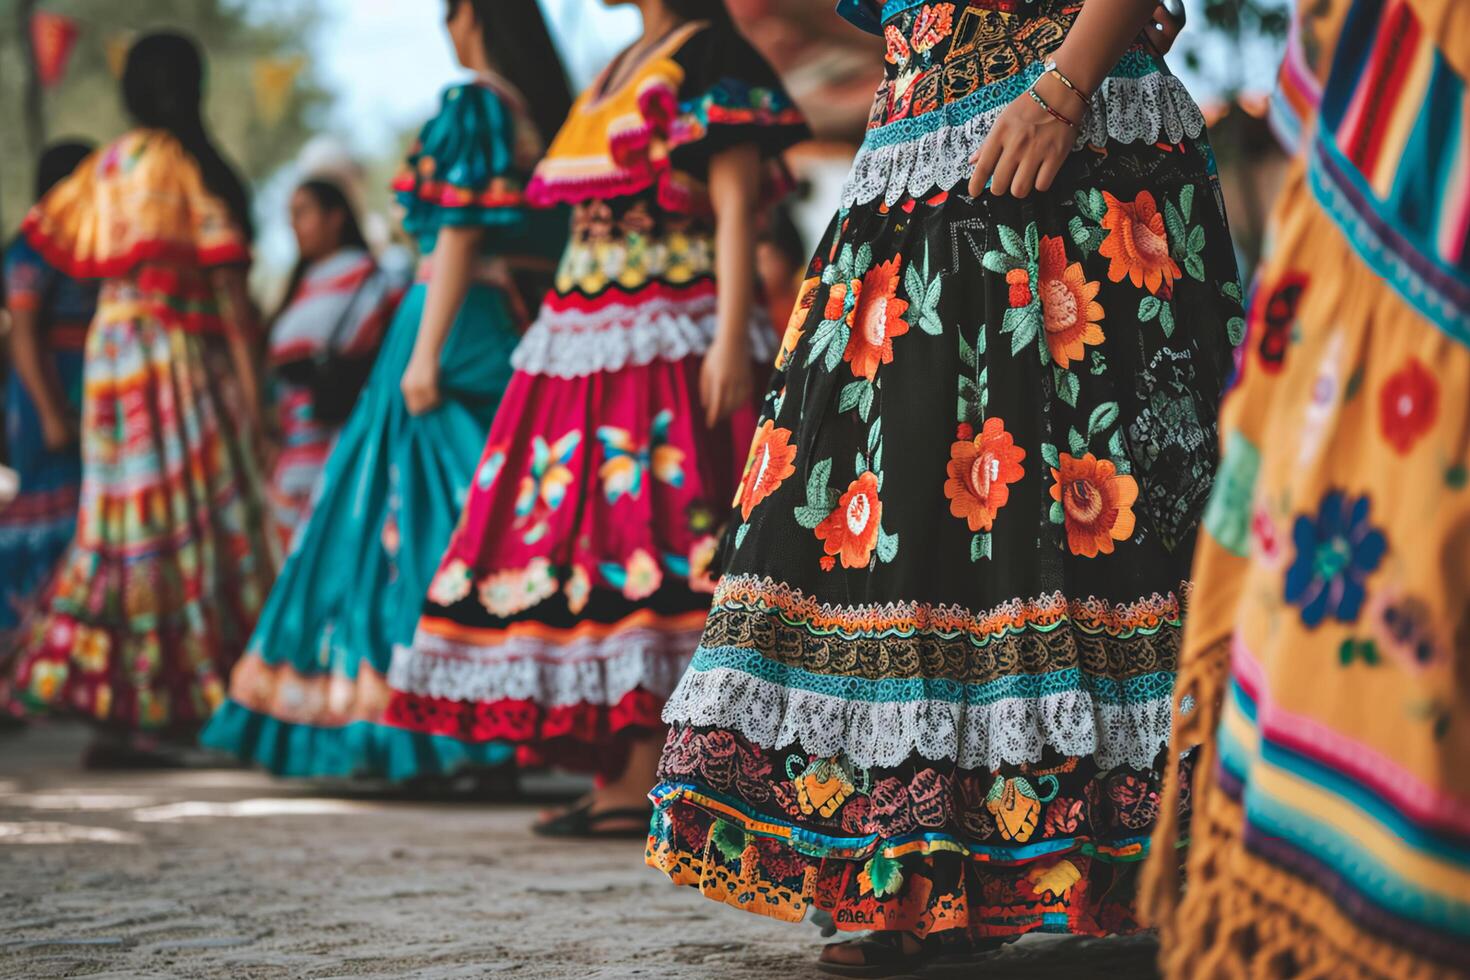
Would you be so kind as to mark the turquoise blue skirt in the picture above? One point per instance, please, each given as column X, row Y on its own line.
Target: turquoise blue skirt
column 307, row 699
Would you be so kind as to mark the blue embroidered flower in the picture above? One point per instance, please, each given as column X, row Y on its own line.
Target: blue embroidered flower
column 1335, row 554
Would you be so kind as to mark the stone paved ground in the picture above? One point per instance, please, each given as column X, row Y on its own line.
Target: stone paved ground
column 226, row 873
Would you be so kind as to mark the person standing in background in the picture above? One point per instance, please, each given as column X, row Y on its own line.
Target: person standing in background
column 308, row 698
column 323, row 341
column 49, row 313
column 1326, row 666
column 576, row 585
column 157, row 593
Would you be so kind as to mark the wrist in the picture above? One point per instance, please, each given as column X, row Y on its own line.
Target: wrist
column 1085, row 76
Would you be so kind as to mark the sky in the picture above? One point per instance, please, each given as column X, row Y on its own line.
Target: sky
column 387, row 60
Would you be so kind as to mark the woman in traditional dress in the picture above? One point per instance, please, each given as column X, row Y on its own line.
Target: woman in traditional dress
column 933, row 693
column 576, row 586
column 153, row 601
column 1325, row 665
column 309, row 696
column 49, row 313
column 337, row 304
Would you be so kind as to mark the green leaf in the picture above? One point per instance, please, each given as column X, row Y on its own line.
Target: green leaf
column 885, row 874
column 875, row 432
column 863, row 261
column 728, row 839
column 1177, row 230
column 744, row 530
column 1235, row 330
column 1196, row 238
column 1056, row 515
column 1076, row 443
column 817, row 479
column 808, row 516
column 852, row 393
column 1099, row 204
column 1166, row 318
column 821, row 337
column 865, row 407
column 1148, row 308
column 982, row 383
column 1083, row 204
column 1098, row 364
column 1023, row 324
column 968, row 356
column 1080, row 237
column 860, row 465
column 980, row 341
column 1102, row 419
column 1117, row 449
column 1186, row 199
column 980, row 547
column 1001, row 263
column 1033, row 241
column 877, row 466
column 914, row 283
column 1195, row 266
column 836, row 347
column 1231, row 288
column 887, row 546
column 1010, row 241
column 844, row 261
column 1050, row 456
column 1068, row 385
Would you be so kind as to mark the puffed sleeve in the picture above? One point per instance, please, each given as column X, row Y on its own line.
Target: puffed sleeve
column 27, row 277
column 467, row 168
column 141, row 199
column 729, row 96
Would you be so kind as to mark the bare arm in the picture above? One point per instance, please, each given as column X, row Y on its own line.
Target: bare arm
column 725, row 379
column 455, row 253
column 242, row 327
column 1027, row 145
column 26, row 350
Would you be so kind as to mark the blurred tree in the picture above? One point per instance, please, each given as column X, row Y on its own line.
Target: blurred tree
column 235, row 34
column 1243, row 35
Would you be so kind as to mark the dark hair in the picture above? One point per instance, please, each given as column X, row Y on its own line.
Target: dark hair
column 57, row 162
column 713, row 11
column 163, row 88
column 519, row 45
column 328, row 196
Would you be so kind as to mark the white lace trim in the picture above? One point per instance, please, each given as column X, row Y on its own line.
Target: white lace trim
column 1150, row 109
column 575, row 343
column 884, row 734
column 602, row 671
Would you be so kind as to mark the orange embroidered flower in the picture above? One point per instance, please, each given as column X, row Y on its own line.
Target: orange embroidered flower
column 981, row 471
column 1069, row 304
column 878, row 318
column 1137, row 243
column 1019, row 281
column 932, row 25
column 837, row 299
column 851, row 530
column 1097, row 503
column 805, row 297
column 767, row 466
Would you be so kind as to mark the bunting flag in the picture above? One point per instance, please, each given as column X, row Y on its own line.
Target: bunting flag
column 274, row 79
column 52, row 37
column 118, row 46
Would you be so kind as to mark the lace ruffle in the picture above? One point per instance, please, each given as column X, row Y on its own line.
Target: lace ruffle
column 602, row 671
column 872, row 734
column 575, row 343
column 1149, row 109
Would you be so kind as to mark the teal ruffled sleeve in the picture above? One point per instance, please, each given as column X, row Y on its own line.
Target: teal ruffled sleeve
column 468, row 167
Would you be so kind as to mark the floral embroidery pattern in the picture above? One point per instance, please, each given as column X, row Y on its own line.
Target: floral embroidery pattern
column 981, row 471
column 932, row 24
column 1070, row 310
column 1096, row 503
column 451, row 583
column 622, row 473
column 850, row 532
column 769, row 465
column 876, row 319
column 1278, row 320
column 1335, row 553
column 516, row 590
column 1137, row 243
column 805, row 298
column 544, row 487
column 1407, row 405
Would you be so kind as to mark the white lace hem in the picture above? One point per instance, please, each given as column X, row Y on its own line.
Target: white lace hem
column 600, row 672
column 1010, row 731
column 576, row 343
column 1151, row 109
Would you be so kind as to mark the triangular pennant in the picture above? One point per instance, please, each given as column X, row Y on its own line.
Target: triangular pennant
column 274, row 79
column 53, row 36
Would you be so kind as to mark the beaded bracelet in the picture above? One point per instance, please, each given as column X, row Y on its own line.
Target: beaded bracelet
column 1049, row 67
column 1042, row 102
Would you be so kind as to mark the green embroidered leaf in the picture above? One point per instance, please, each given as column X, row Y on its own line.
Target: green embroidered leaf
column 1068, row 385
column 865, row 407
column 980, row 342
column 874, row 432
column 743, row 531
column 820, row 498
column 980, row 546
column 836, row 347
column 1024, row 787
column 968, row 357
column 1084, row 204
column 821, row 338
column 1148, row 308
column 1195, row 266
column 1102, row 419
column 1033, row 241
column 860, row 465
column 878, row 461
column 1080, row 237
column 1098, row 364
column 997, row 790
column 1050, row 455
column 1010, row 241
column 1099, row 205
column 1117, row 449
column 852, row 393
column 863, row 260
column 962, row 408
column 1235, row 330
column 1186, row 199
column 983, row 383
column 1076, row 443
column 1056, row 515
column 887, row 546
column 728, row 839
column 1174, row 224
column 1166, row 318
column 913, row 282
column 844, row 261
column 1196, row 239
column 885, row 875
column 1231, row 288
column 1023, row 324
column 1001, row 263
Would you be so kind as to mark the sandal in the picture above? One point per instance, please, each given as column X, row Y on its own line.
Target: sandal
column 581, row 822
column 883, row 956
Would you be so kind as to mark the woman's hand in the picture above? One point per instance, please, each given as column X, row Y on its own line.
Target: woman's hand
column 420, row 384
column 57, row 431
column 1027, row 145
column 726, row 380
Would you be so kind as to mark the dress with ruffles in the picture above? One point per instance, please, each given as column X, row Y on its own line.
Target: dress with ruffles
column 575, row 589
column 933, row 694
column 1326, row 660
column 152, row 603
column 308, row 698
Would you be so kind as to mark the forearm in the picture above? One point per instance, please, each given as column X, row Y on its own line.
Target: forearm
column 734, row 187
column 453, row 272
column 30, row 366
column 1099, row 37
